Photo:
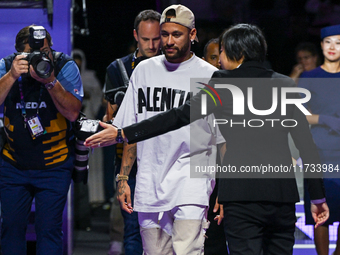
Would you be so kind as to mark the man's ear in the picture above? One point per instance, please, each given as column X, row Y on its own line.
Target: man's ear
column 135, row 35
column 193, row 33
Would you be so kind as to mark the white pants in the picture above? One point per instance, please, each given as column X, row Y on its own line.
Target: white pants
column 178, row 231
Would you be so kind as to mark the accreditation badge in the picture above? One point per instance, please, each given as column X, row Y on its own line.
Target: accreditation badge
column 35, row 127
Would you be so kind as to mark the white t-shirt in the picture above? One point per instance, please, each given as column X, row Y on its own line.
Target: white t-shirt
column 163, row 176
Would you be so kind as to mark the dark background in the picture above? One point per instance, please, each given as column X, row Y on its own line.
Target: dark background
column 285, row 23
column 110, row 24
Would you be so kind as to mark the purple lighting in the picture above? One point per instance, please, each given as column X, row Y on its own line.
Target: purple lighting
column 308, row 229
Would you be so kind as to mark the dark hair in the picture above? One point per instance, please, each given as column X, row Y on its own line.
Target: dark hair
column 171, row 13
column 77, row 56
column 23, row 35
column 146, row 15
column 307, row 46
column 244, row 40
column 214, row 40
column 311, row 48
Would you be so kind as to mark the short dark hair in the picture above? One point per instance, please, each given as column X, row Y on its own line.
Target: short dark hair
column 244, row 40
column 171, row 13
column 77, row 56
column 213, row 40
column 309, row 47
column 146, row 15
column 23, row 35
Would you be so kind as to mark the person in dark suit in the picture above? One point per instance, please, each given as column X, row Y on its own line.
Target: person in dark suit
column 259, row 207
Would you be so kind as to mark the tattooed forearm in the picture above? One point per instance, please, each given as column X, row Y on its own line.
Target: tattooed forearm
column 124, row 192
column 129, row 157
column 121, row 188
column 126, row 170
column 132, row 152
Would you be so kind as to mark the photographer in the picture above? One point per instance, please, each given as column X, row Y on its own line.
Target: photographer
column 42, row 94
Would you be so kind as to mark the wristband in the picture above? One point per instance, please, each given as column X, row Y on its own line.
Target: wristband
column 50, row 85
column 119, row 138
column 121, row 177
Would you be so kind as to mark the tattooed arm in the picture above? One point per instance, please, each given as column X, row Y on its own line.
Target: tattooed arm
column 124, row 192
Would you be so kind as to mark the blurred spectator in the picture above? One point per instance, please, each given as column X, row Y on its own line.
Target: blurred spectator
column 307, row 58
column 211, row 53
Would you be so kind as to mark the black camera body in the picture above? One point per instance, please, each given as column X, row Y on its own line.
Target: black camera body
column 41, row 63
column 116, row 95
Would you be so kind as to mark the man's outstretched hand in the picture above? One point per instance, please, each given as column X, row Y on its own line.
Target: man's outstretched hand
column 103, row 138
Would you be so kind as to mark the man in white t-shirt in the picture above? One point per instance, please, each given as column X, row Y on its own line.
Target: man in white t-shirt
column 171, row 206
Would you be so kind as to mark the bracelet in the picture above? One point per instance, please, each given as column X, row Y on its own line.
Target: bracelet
column 122, row 177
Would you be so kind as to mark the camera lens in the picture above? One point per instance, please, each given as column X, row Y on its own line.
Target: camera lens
column 82, row 156
column 42, row 65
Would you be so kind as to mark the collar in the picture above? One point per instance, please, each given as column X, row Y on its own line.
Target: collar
column 174, row 66
column 252, row 64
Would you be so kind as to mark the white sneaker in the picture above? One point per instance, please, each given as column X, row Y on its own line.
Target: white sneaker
column 116, row 248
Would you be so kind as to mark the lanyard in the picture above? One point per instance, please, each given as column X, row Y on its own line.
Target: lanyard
column 133, row 60
column 22, row 101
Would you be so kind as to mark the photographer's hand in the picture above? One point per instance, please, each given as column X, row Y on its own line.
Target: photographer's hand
column 19, row 67
column 67, row 104
column 39, row 79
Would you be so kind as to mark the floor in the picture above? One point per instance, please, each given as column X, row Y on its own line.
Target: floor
column 96, row 241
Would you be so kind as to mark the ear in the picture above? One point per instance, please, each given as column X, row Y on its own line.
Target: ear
column 203, row 58
column 192, row 34
column 135, row 35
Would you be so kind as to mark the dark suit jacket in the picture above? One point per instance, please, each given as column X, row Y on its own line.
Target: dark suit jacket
column 247, row 146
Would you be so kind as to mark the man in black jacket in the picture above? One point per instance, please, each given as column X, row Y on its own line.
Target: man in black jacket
column 259, row 209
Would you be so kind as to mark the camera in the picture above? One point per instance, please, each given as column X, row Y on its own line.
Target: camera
column 42, row 64
column 116, row 95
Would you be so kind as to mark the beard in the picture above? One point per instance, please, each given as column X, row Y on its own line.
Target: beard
column 180, row 52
